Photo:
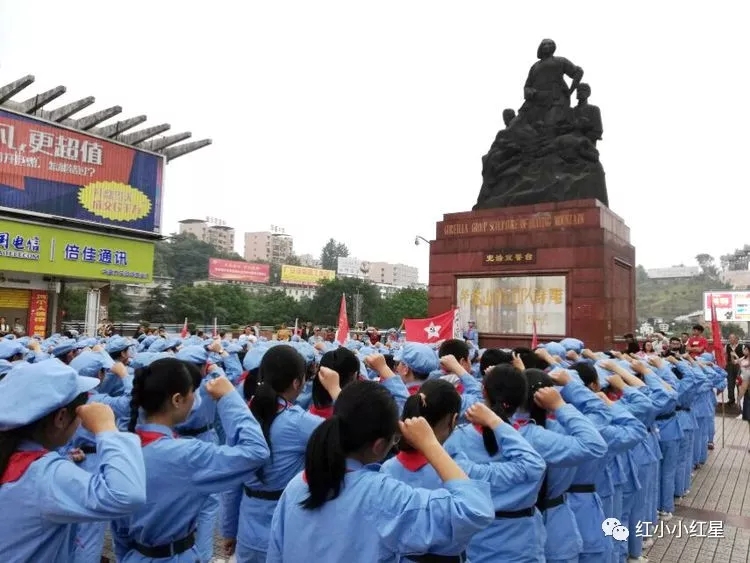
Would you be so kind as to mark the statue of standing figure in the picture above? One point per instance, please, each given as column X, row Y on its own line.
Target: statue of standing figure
column 546, row 94
column 546, row 153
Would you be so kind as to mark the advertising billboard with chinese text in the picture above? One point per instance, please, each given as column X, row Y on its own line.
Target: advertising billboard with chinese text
column 46, row 168
column 299, row 275
column 234, row 270
column 25, row 247
column 730, row 305
column 511, row 305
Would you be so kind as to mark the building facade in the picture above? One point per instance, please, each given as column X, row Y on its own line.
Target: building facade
column 269, row 246
column 397, row 275
column 219, row 236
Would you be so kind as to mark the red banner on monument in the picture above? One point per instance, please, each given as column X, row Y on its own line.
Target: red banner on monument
column 434, row 329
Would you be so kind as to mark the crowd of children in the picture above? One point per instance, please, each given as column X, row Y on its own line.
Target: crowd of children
column 364, row 452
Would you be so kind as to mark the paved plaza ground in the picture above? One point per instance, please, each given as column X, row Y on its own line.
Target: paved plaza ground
column 719, row 494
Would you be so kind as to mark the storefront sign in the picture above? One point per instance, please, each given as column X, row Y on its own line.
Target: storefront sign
column 38, row 249
column 512, row 305
column 14, row 298
column 511, row 257
column 37, row 325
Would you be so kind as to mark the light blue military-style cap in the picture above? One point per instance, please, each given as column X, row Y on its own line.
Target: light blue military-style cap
column 9, row 348
column 30, row 392
column 252, row 359
column 419, row 357
column 118, row 344
column 89, row 364
column 193, row 354
column 63, row 347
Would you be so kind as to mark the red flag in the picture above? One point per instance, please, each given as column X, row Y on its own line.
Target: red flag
column 184, row 331
column 716, row 336
column 342, row 331
column 534, row 339
column 434, row 329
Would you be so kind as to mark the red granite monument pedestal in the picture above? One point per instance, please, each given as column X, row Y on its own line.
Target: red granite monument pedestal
column 567, row 267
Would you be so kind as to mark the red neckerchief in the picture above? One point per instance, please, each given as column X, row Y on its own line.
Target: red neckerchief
column 550, row 416
column 520, row 423
column 243, row 377
column 460, row 388
column 148, row 437
column 18, row 464
column 613, row 395
column 412, row 461
column 414, row 389
column 323, row 412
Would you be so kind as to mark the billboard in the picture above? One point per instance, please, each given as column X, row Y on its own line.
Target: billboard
column 46, row 168
column 234, row 270
column 37, row 249
column 512, row 305
column 299, row 275
column 730, row 305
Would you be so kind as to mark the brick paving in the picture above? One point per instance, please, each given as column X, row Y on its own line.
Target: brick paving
column 719, row 493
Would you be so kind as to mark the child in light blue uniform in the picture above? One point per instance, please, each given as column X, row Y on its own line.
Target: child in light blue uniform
column 48, row 494
column 89, row 539
column 343, row 509
column 517, row 535
column 565, row 438
column 440, row 404
column 181, row 473
column 593, row 490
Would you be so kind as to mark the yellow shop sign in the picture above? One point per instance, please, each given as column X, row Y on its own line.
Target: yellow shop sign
column 26, row 247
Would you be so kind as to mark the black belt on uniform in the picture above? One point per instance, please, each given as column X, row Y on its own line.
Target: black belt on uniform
column 525, row 513
column 427, row 558
column 193, row 432
column 552, row 502
column 264, row 495
column 665, row 416
column 88, row 449
column 168, row 550
column 686, row 409
column 582, row 489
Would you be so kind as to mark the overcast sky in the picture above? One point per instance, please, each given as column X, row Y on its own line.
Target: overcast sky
column 366, row 121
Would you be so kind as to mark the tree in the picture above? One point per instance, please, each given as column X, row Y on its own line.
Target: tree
column 185, row 258
column 405, row 304
column 708, row 265
column 732, row 328
column 119, row 308
column 330, row 254
column 324, row 307
column 73, row 304
column 154, row 308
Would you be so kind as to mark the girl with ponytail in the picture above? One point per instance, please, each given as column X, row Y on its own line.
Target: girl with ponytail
column 343, row 509
column 182, row 473
column 345, row 363
column 566, row 439
column 517, row 532
column 593, row 492
column 247, row 509
column 439, row 403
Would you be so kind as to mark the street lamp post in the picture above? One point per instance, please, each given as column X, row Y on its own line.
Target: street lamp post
column 418, row 238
